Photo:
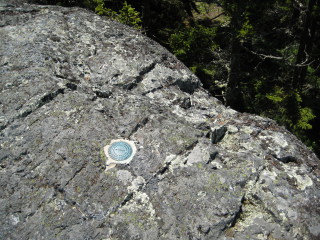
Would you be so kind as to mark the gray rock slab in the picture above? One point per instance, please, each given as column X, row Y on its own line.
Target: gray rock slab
column 71, row 82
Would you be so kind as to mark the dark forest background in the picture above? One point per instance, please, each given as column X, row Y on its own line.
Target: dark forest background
column 260, row 57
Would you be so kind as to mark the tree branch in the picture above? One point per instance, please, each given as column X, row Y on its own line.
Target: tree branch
column 262, row 56
column 217, row 16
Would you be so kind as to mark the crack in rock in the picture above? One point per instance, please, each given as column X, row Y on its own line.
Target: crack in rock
column 241, row 214
column 125, row 201
column 34, row 104
column 138, row 126
column 154, row 90
column 286, row 159
column 212, row 156
column 102, row 94
column 237, row 215
column 218, row 134
column 140, row 77
column 75, row 174
column 164, row 169
column 138, row 185
column 73, row 203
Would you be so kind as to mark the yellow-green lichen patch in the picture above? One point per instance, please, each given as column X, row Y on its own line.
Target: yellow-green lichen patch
column 139, row 211
column 182, row 140
column 302, row 181
column 200, row 165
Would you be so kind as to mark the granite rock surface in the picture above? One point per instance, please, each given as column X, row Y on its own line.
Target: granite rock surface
column 71, row 82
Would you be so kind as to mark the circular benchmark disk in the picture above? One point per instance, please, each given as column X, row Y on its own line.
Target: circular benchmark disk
column 120, row 151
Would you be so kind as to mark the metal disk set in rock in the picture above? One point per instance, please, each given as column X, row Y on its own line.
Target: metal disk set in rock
column 120, row 151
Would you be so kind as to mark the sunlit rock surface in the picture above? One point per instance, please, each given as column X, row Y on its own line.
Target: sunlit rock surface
column 71, row 82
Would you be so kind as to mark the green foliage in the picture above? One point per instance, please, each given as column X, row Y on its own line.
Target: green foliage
column 128, row 15
column 277, row 96
column 193, row 45
column 246, row 29
column 313, row 77
column 202, row 8
column 286, row 108
column 101, row 10
column 306, row 115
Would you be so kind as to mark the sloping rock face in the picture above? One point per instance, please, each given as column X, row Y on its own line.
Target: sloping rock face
column 71, row 82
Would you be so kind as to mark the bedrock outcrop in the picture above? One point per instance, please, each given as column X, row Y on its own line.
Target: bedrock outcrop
column 71, row 82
